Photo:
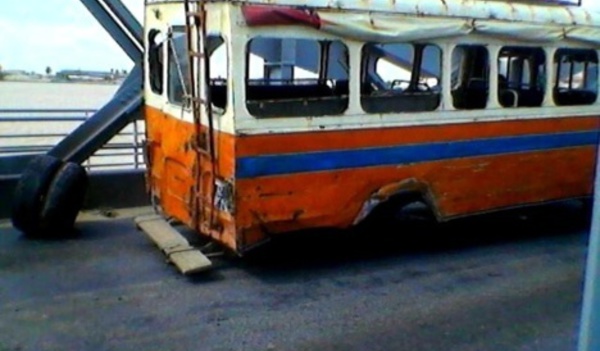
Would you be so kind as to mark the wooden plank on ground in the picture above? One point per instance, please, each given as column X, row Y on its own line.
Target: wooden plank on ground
column 186, row 258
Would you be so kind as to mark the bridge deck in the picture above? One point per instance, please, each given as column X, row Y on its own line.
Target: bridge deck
column 519, row 288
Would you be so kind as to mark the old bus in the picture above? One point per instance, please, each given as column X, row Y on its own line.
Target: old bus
column 270, row 116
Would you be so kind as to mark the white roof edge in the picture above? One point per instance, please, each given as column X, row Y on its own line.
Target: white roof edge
column 477, row 9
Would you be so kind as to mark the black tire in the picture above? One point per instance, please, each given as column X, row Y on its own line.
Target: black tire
column 30, row 192
column 63, row 201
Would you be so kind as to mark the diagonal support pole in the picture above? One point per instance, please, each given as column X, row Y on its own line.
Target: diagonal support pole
column 126, row 34
column 90, row 136
column 129, row 22
column 125, row 105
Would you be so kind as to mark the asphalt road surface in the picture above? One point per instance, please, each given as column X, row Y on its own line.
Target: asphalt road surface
column 502, row 282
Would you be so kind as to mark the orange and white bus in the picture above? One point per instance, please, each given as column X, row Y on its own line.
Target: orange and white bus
column 270, row 116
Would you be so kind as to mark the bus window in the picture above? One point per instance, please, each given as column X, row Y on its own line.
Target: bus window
column 178, row 88
column 470, row 77
column 177, row 74
column 155, row 61
column 218, row 72
column 400, row 77
column 296, row 77
column 521, row 76
column 576, row 77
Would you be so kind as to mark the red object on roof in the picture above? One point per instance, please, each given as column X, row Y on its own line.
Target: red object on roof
column 261, row 15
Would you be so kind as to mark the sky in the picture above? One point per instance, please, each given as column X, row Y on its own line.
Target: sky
column 62, row 34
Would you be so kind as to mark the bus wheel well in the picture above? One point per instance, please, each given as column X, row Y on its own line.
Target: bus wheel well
column 395, row 196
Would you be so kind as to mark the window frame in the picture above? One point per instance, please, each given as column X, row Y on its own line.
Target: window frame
column 156, row 60
column 575, row 96
column 334, row 105
column 183, row 73
column 529, row 66
column 486, row 78
column 391, row 101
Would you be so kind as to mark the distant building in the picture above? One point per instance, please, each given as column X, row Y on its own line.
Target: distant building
column 88, row 76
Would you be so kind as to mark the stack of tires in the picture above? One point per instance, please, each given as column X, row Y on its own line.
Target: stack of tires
column 48, row 197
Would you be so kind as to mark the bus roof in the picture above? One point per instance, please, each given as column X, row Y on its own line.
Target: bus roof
column 477, row 9
column 559, row 12
column 430, row 20
column 546, row 2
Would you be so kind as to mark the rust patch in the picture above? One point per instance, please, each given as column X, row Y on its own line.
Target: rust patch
column 297, row 214
column 267, row 195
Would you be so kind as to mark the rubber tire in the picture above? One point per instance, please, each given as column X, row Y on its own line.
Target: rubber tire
column 30, row 192
column 63, row 201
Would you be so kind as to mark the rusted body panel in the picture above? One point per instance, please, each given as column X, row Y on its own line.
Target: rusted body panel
column 456, row 186
column 172, row 171
column 171, row 163
column 269, row 204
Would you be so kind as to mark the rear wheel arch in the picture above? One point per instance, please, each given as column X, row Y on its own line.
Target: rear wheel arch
column 399, row 194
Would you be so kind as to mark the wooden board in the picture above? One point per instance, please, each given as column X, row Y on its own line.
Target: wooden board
column 186, row 258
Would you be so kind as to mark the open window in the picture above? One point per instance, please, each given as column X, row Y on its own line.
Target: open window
column 179, row 89
column 521, row 76
column 155, row 61
column 296, row 77
column 576, row 77
column 399, row 77
column 470, row 77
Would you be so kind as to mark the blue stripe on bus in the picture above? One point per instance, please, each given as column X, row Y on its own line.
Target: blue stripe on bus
column 278, row 164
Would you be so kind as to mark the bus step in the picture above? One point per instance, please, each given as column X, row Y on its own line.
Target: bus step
column 187, row 259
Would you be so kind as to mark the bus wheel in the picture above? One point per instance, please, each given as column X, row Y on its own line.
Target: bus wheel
column 30, row 192
column 65, row 198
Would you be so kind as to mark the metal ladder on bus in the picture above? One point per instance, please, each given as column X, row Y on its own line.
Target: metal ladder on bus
column 204, row 184
column 174, row 245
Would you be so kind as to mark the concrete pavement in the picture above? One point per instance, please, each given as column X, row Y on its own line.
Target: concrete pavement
column 501, row 282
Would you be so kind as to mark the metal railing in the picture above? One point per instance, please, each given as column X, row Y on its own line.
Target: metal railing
column 35, row 131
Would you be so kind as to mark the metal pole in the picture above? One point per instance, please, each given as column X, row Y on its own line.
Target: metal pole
column 131, row 24
column 117, row 31
column 589, row 332
column 132, row 78
column 135, row 145
column 125, row 107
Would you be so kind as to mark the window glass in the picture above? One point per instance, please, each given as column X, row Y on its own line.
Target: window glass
column 155, row 61
column 400, row 77
column 470, row 77
column 219, row 59
column 576, row 77
column 521, row 76
column 296, row 77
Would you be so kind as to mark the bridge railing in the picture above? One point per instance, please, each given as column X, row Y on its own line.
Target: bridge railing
column 25, row 132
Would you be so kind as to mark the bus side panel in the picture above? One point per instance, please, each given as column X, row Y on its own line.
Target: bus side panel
column 172, row 175
column 171, row 163
column 296, row 181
